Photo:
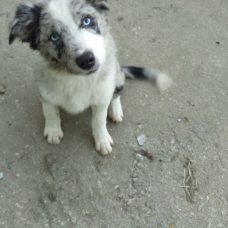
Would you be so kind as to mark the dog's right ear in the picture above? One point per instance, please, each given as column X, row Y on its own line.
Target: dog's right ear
column 100, row 5
column 25, row 25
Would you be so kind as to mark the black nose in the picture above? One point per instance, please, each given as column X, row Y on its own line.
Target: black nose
column 86, row 61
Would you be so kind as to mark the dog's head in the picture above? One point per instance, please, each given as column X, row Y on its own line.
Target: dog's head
column 69, row 34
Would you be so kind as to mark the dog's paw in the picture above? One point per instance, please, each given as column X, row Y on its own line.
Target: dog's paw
column 103, row 143
column 53, row 134
column 115, row 113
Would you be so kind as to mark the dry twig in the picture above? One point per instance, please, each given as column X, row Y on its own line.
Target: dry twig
column 190, row 181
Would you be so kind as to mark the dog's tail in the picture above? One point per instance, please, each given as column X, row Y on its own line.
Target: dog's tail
column 161, row 80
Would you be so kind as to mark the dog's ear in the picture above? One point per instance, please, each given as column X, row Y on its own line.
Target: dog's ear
column 25, row 25
column 100, row 5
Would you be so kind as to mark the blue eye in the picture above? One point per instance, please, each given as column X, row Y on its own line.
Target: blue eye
column 87, row 21
column 54, row 37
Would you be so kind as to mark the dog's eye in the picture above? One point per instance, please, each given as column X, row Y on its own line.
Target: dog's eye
column 87, row 21
column 54, row 37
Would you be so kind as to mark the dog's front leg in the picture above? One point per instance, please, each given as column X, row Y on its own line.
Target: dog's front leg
column 52, row 130
column 103, row 140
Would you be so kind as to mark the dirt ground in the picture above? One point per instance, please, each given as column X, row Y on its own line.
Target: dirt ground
column 71, row 185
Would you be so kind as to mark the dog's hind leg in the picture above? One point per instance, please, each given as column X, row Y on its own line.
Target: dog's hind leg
column 103, row 140
column 52, row 130
column 115, row 112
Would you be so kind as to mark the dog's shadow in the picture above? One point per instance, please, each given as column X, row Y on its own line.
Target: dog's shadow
column 77, row 127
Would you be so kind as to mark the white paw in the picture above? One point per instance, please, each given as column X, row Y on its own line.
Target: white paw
column 115, row 112
column 103, row 143
column 53, row 134
column 115, row 115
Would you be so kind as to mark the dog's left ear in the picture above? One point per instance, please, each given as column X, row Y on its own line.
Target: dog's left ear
column 100, row 5
column 25, row 25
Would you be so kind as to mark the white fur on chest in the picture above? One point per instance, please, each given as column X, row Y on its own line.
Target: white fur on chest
column 76, row 93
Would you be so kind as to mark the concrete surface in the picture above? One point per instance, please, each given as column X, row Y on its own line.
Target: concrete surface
column 71, row 185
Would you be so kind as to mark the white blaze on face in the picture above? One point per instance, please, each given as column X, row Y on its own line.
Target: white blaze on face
column 60, row 10
column 94, row 43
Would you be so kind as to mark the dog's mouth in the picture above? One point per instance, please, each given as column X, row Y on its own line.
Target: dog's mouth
column 85, row 73
column 92, row 70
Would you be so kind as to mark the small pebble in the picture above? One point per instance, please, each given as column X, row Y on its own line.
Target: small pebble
column 1, row 175
column 141, row 140
column 116, row 187
column 139, row 156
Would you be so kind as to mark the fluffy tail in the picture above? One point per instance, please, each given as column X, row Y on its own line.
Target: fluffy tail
column 161, row 80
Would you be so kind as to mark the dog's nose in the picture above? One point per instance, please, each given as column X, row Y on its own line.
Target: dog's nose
column 86, row 61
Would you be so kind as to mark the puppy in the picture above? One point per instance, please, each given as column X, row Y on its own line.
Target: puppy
column 79, row 67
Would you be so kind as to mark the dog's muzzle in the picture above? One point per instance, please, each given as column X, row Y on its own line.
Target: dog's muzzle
column 86, row 61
